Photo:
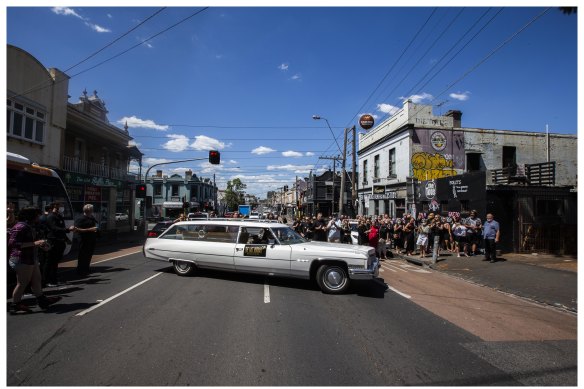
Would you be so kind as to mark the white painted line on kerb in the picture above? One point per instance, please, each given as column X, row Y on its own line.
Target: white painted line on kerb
column 266, row 293
column 117, row 295
column 400, row 293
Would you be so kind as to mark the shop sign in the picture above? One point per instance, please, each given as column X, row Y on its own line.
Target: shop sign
column 377, row 189
column 383, row 196
column 92, row 194
column 366, row 121
column 430, row 189
column 78, row 179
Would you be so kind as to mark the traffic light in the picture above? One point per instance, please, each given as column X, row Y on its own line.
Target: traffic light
column 140, row 191
column 214, row 157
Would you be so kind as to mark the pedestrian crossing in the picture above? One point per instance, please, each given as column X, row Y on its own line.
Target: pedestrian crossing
column 397, row 267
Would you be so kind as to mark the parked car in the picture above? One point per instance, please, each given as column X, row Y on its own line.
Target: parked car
column 121, row 216
column 262, row 248
column 159, row 228
column 254, row 215
column 198, row 216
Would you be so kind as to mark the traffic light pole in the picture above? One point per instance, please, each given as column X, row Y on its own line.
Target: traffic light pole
column 146, row 175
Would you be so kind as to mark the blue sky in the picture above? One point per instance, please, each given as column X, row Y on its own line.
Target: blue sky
column 248, row 80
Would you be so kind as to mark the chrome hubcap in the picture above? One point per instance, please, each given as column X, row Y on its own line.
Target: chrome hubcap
column 334, row 278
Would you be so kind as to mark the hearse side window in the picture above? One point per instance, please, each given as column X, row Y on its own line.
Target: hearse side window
column 202, row 232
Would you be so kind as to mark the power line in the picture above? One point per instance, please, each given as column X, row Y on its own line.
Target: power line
column 117, row 55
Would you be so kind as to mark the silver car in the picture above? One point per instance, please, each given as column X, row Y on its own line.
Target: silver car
column 262, row 248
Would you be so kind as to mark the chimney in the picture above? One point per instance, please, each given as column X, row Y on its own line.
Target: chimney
column 189, row 174
column 159, row 173
column 456, row 117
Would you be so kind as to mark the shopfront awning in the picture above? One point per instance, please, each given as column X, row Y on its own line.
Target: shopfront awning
column 172, row 204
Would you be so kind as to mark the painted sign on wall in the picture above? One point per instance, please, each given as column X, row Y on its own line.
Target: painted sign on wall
column 437, row 154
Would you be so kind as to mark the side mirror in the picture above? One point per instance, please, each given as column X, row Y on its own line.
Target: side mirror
column 271, row 242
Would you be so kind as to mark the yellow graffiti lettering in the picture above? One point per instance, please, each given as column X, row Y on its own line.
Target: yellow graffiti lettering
column 426, row 166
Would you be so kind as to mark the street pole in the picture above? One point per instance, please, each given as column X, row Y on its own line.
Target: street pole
column 354, row 169
column 343, row 173
column 146, row 175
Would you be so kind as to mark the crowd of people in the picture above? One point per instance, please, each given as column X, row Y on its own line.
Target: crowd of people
column 36, row 243
column 409, row 235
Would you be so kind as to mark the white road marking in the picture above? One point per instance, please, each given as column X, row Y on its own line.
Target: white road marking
column 388, row 268
column 398, row 292
column 398, row 268
column 266, row 293
column 116, row 296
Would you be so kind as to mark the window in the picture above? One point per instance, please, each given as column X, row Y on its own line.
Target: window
column 365, row 171
column 157, row 189
column 25, row 122
column 391, row 162
column 473, row 162
column 509, row 156
column 376, row 166
column 174, row 190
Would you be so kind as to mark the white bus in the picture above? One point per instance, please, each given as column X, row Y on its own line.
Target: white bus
column 30, row 185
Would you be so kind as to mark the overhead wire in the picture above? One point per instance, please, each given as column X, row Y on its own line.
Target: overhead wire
column 49, row 81
column 116, row 55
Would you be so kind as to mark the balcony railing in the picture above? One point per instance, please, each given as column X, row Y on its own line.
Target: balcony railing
column 76, row 165
column 529, row 174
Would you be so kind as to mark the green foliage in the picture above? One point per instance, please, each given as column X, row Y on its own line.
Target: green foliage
column 234, row 194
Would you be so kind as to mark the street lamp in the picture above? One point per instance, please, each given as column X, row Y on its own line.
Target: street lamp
column 316, row 117
column 344, row 153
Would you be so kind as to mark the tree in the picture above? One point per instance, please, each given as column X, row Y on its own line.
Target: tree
column 234, row 194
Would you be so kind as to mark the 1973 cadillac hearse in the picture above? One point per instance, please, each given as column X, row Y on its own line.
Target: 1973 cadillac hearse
column 262, row 248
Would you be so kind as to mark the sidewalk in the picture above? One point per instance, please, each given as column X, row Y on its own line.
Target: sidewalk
column 110, row 243
column 544, row 278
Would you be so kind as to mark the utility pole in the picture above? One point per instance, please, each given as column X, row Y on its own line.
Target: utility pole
column 334, row 159
column 343, row 173
column 354, row 169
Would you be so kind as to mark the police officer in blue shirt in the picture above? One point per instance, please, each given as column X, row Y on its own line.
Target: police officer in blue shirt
column 491, row 236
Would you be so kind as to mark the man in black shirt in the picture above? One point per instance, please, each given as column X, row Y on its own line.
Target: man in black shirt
column 56, row 236
column 320, row 228
column 86, row 226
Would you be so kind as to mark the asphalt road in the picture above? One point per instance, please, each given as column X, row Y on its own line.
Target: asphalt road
column 134, row 322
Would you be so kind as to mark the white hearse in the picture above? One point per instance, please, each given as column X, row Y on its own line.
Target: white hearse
column 263, row 248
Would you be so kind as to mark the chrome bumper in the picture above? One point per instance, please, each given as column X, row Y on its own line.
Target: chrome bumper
column 365, row 274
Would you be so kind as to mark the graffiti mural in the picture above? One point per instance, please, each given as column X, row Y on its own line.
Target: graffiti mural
column 428, row 166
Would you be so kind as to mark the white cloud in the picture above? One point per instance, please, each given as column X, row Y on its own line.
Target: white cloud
column 291, row 153
column 134, row 143
column 283, row 67
column 297, row 76
column 134, row 122
column 231, row 161
column 97, row 28
column 416, row 99
column 110, row 16
column 460, row 96
column 262, row 150
column 178, row 143
column 300, row 169
column 203, row 142
column 66, row 11
column 309, row 154
column 153, row 161
column 386, row 108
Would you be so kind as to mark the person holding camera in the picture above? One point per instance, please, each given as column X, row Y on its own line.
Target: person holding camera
column 23, row 247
